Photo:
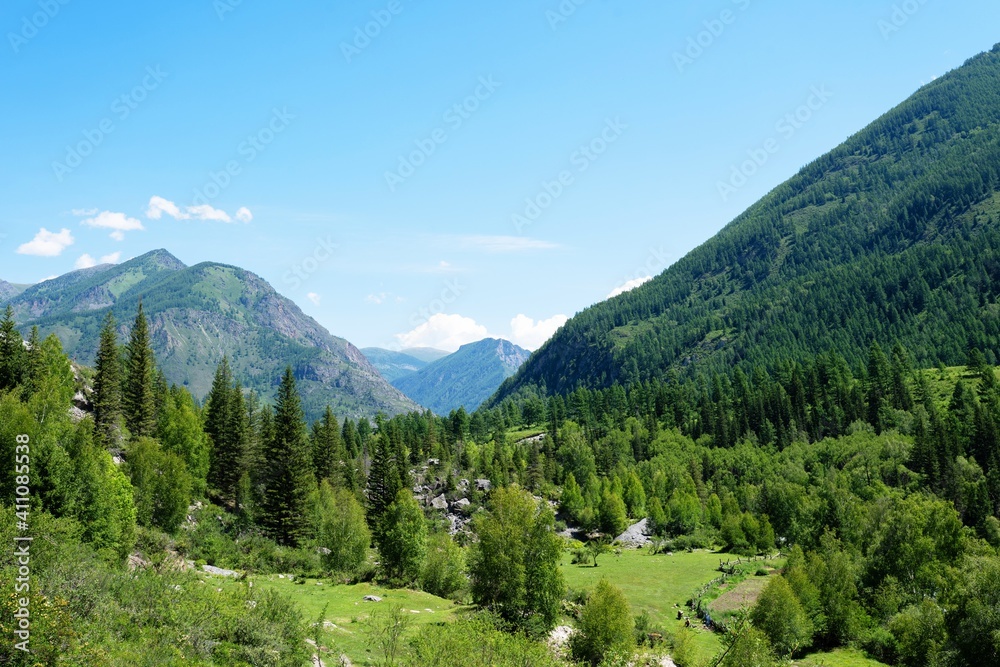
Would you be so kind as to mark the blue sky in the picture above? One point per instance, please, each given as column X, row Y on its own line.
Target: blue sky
column 465, row 169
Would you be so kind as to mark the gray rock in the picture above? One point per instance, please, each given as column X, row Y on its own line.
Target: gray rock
column 219, row 571
column 440, row 503
column 636, row 536
column 372, row 598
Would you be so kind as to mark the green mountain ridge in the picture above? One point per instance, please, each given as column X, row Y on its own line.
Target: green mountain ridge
column 391, row 364
column 892, row 236
column 463, row 379
column 198, row 314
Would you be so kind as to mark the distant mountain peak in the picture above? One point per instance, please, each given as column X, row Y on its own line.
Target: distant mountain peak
column 465, row 378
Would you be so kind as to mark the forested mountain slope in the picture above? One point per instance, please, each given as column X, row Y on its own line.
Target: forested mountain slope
column 892, row 236
column 200, row 313
column 463, row 379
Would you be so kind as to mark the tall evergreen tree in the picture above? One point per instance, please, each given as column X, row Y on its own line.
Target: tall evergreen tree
column 107, row 397
column 33, row 363
column 327, row 448
column 140, row 380
column 226, row 426
column 11, row 352
column 383, row 480
column 288, row 476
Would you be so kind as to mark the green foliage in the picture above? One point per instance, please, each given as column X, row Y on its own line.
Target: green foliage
column 138, row 400
column 288, row 477
column 780, row 616
column 340, row 527
column 402, row 539
column 107, row 398
column 514, row 564
column 919, row 632
column 443, row 573
column 749, row 647
column 181, row 432
column 11, row 352
column 161, row 482
column 606, row 625
column 476, row 642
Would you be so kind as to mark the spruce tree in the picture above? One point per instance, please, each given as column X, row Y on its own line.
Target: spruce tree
column 288, row 475
column 226, row 423
column 140, row 380
column 327, row 448
column 107, row 397
column 383, row 480
column 33, row 363
column 11, row 352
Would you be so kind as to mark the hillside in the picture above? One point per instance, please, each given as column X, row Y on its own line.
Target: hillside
column 391, row 364
column 198, row 314
column 892, row 236
column 463, row 379
column 8, row 290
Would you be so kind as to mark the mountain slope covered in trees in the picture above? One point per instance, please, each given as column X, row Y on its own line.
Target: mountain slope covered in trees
column 391, row 364
column 201, row 313
column 892, row 236
column 465, row 378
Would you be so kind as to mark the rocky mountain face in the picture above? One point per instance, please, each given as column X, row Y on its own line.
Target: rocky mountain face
column 199, row 314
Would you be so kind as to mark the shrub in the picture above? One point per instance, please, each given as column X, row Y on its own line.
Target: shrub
column 606, row 625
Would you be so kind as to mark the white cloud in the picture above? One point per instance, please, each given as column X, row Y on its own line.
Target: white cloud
column 47, row 244
column 629, row 286
column 158, row 206
column 84, row 212
column 377, row 299
column 86, row 261
column 444, row 332
column 315, row 298
column 119, row 223
column 530, row 334
column 206, row 212
column 505, row 243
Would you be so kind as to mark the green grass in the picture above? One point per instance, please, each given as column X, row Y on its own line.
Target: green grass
column 839, row 658
column 654, row 584
column 346, row 608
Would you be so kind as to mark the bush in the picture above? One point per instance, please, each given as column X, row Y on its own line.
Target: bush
column 780, row 616
column 606, row 625
column 341, row 529
column 443, row 573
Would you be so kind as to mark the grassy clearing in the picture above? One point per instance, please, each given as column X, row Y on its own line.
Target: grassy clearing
column 347, row 610
column 658, row 585
column 840, row 658
column 732, row 598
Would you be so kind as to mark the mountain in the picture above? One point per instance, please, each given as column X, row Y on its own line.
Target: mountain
column 892, row 236
column 392, row 365
column 9, row 291
column 465, row 378
column 426, row 354
column 198, row 314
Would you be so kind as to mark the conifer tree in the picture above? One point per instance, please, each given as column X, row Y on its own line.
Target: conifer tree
column 139, row 394
column 383, row 480
column 11, row 352
column 33, row 363
column 328, row 451
column 107, row 397
column 288, row 476
column 223, row 424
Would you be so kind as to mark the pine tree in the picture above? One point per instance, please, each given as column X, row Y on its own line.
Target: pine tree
column 226, row 423
column 107, row 397
column 327, row 448
column 11, row 352
column 34, row 363
column 288, row 477
column 383, row 480
column 140, row 380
